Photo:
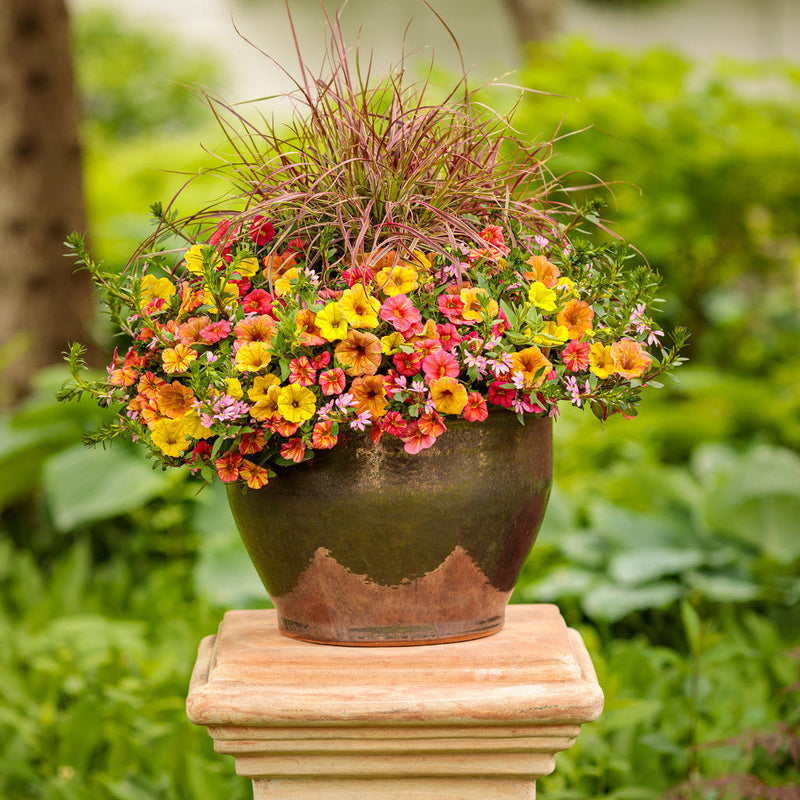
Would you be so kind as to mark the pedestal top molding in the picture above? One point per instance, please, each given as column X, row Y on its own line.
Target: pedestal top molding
column 536, row 670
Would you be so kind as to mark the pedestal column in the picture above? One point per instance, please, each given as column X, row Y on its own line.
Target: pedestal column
column 477, row 720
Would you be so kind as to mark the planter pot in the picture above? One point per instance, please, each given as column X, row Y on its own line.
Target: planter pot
column 368, row 545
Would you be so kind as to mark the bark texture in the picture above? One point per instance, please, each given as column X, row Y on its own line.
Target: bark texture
column 43, row 304
column 533, row 20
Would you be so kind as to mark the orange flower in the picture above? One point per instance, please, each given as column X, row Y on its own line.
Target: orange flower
column 359, row 353
column 275, row 265
column 306, row 326
column 543, row 271
column 175, row 400
column 256, row 329
column 473, row 310
column 576, row 317
column 369, row 393
column 630, row 360
column 189, row 331
column 228, row 466
column 252, row 443
column 533, row 365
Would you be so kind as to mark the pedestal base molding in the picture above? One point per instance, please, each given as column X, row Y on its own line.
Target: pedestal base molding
column 466, row 721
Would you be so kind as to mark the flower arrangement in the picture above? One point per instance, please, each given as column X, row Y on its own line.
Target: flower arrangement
column 384, row 263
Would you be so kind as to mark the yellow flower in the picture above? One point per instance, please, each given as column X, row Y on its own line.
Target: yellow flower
column 195, row 260
column 601, row 361
column 266, row 406
column 261, row 387
column 391, row 344
column 194, row 427
column 542, row 297
column 169, row 436
column 473, row 310
column 151, row 288
column 551, row 334
column 247, row 266
column 360, row 309
column 296, row 403
column 233, row 388
column 448, row 395
column 399, row 279
column 177, row 359
column 332, row 322
column 253, row 357
column 227, row 293
column 283, row 285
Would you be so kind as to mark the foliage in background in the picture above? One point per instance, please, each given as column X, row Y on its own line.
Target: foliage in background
column 701, row 161
column 679, row 523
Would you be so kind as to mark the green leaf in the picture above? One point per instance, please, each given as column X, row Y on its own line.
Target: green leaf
column 83, row 485
column 641, row 566
column 612, row 603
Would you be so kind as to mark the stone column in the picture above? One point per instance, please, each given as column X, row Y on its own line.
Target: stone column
column 477, row 720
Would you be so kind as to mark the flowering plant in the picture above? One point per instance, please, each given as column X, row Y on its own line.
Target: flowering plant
column 385, row 264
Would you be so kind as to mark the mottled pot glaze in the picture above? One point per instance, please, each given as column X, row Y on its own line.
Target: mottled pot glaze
column 367, row 545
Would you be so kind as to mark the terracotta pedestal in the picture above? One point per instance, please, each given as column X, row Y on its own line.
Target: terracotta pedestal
column 477, row 720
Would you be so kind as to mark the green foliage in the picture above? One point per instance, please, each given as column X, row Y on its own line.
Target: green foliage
column 133, row 80
column 700, row 163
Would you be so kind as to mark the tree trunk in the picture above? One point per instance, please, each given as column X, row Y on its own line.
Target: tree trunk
column 43, row 304
column 533, row 20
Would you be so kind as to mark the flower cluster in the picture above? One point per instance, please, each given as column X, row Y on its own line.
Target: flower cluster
column 245, row 356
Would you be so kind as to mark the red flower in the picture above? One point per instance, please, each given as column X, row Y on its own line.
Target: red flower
column 262, row 231
column 500, row 396
column 258, row 301
column 475, row 410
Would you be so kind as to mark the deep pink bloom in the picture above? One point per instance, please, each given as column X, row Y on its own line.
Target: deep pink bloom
column 475, row 410
column 224, row 234
column 500, row 396
column 332, row 381
column 576, row 355
column 357, row 274
column 415, row 440
column 439, row 364
column 451, row 305
column 501, row 323
column 215, row 332
column 262, row 231
column 448, row 336
column 407, row 364
column 400, row 313
column 321, row 360
column 393, row 423
column 259, row 301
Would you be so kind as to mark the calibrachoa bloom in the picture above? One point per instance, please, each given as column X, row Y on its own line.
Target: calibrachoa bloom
column 309, row 317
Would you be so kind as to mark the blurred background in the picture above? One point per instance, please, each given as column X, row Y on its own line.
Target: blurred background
column 672, row 541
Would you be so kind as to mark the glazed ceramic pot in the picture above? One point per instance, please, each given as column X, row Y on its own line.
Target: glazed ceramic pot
column 368, row 545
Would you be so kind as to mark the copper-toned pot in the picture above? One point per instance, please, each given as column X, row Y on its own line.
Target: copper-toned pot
column 367, row 545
